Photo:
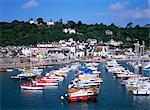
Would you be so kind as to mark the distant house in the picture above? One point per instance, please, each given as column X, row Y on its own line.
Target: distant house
column 65, row 30
column 26, row 51
column 79, row 53
column 31, row 21
column 101, row 50
column 108, row 32
column 114, row 43
column 69, row 30
column 92, row 41
column 50, row 23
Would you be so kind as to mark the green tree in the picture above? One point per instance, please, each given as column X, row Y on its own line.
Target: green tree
column 40, row 21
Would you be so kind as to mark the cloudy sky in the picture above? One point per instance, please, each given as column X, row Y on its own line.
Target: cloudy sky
column 119, row 12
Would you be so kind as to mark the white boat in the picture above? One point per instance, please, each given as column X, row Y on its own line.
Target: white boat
column 93, row 68
column 9, row 70
column 81, row 93
column 130, row 75
column 96, row 72
column 141, row 91
column 118, row 70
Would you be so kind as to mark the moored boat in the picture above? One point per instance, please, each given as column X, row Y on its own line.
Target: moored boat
column 31, row 86
column 81, row 95
column 141, row 91
column 2, row 70
column 45, row 83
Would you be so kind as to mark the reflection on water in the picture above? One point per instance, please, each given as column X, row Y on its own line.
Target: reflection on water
column 83, row 105
column 142, row 102
column 140, row 98
column 79, row 105
column 26, row 92
column 51, row 87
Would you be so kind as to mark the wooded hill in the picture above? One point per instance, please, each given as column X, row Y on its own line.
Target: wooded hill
column 24, row 33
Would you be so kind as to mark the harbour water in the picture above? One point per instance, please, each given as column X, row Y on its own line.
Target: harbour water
column 112, row 96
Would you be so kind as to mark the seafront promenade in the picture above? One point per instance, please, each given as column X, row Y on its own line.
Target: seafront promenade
column 4, row 63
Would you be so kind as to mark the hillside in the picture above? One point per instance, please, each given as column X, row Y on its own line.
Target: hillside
column 24, row 33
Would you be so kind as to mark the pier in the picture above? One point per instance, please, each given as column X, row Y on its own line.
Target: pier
column 5, row 64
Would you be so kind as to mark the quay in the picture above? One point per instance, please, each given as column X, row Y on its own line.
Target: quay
column 6, row 65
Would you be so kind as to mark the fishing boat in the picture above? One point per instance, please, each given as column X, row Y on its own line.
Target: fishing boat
column 30, row 86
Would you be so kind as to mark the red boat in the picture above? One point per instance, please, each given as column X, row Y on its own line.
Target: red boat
column 31, row 86
column 40, row 81
column 82, row 98
column 2, row 70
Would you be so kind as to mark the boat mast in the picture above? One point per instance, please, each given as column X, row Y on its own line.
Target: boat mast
column 142, row 60
column 137, row 45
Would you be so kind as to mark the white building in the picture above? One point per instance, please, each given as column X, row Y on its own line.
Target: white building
column 101, row 50
column 69, row 30
column 115, row 43
column 108, row 32
column 31, row 22
column 79, row 53
column 92, row 41
column 65, row 30
column 50, row 23
column 26, row 51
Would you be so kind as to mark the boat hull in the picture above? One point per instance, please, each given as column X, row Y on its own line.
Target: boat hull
column 32, row 88
column 23, row 77
column 136, row 92
column 82, row 98
column 47, row 84
column 3, row 70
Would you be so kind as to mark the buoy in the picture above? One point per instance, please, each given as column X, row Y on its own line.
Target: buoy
column 62, row 97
